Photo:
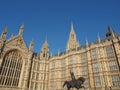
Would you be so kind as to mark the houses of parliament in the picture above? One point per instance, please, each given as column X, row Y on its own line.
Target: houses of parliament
column 23, row 69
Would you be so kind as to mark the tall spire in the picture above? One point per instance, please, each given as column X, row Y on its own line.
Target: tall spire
column 72, row 28
column 21, row 29
column 46, row 42
column 45, row 50
column 72, row 42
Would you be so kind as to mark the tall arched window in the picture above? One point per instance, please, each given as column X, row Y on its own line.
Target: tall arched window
column 11, row 69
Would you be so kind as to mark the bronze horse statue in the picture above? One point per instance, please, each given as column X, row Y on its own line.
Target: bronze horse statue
column 75, row 83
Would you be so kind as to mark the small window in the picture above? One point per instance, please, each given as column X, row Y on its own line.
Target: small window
column 109, row 34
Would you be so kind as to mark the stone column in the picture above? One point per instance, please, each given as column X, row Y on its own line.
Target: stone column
column 27, row 71
column 91, row 81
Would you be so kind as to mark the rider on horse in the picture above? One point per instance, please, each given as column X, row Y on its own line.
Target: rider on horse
column 74, row 83
column 72, row 75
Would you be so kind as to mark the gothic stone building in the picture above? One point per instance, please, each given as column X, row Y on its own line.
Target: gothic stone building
column 23, row 69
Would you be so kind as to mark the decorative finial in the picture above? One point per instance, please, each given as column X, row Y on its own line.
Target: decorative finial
column 86, row 43
column 108, row 27
column 3, row 36
column 21, row 29
column 31, row 45
column 46, row 41
column 12, row 34
column 99, row 40
column 58, row 51
column 72, row 28
column 5, row 30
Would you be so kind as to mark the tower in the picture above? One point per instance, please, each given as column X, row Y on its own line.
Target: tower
column 44, row 54
column 72, row 42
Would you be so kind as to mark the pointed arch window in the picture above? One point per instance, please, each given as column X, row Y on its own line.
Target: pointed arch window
column 11, row 69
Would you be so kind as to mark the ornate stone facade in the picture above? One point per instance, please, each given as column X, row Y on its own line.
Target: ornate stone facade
column 23, row 69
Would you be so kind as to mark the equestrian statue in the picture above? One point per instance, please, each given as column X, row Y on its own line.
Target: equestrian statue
column 74, row 83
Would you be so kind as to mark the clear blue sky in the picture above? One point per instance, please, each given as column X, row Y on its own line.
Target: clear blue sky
column 52, row 18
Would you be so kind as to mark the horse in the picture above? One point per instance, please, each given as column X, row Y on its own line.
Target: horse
column 75, row 83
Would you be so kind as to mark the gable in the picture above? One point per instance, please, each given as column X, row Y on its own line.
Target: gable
column 16, row 42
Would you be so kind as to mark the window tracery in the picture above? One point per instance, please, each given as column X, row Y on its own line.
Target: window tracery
column 11, row 68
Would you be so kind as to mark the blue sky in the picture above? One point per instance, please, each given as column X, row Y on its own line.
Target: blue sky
column 52, row 19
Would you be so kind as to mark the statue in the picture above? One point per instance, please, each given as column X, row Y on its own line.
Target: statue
column 74, row 83
column 72, row 75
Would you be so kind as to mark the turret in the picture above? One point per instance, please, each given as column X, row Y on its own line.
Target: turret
column 44, row 54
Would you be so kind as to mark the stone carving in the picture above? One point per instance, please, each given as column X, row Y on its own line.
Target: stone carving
column 74, row 83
